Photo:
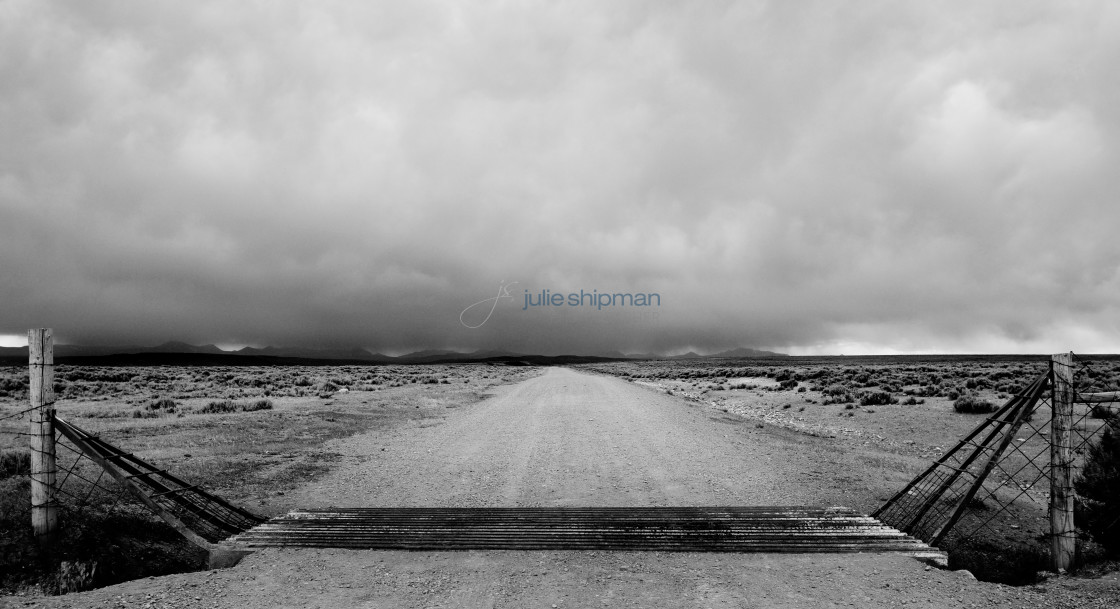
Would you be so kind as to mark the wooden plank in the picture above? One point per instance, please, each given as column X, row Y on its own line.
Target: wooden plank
column 1098, row 398
column 1063, row 539
column 44, row 509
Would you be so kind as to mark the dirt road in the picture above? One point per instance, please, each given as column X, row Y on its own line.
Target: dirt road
column 561, row 439
column 565, row 438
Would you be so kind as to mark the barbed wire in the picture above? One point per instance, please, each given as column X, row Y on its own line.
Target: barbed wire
column 19, row 413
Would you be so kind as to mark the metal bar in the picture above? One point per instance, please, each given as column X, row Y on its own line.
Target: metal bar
column 175, row 490
column 138, row 463
column 1017, row 411
column 1007, row 439
column 75, row 435
column 967, row 439
column 197, row 503
column 168, row 476
column 630, row 529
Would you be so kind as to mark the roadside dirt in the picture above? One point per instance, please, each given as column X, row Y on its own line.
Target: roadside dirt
column 568, row 439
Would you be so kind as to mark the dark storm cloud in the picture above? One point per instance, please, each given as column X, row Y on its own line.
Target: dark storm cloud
column 806, row 177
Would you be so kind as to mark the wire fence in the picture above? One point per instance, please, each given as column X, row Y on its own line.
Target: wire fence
column 80, row 485
column 993, row 489
column 954, row 489
column 93, row 480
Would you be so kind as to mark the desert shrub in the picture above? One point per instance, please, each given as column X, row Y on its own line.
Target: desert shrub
column 788, row 384
column 218, row 407
column 1098, row 489
column 257, row 405
column 228, row 406
column 12, row 384
column 1008, row 386
column 970, row 404
column 876, row 398
column 167, row 404
column 14, row 463
column 837, row 394
column 999, row 375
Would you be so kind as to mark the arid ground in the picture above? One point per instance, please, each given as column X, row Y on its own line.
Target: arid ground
column 612, row 435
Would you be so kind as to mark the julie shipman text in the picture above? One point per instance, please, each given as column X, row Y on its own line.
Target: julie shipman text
column 594, row 298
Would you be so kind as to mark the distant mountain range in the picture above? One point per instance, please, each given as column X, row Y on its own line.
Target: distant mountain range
column 741, row 352
column 355, row 354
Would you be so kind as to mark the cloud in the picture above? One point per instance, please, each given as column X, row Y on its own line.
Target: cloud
column 786, row 176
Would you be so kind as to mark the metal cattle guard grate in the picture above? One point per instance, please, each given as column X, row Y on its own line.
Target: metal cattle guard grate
column 681, row 529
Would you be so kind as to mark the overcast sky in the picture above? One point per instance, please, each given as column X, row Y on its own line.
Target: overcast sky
column 810, row 177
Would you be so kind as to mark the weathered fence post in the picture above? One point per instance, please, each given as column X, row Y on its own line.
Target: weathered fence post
column 44, row 510
column 1063, row 538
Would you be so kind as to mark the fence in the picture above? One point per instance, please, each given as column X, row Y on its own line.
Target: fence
column 61, row 481
column 1012, row 481
column 71, row 469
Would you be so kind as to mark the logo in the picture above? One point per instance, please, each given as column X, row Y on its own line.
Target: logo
column 503, row 292
column 644, row 304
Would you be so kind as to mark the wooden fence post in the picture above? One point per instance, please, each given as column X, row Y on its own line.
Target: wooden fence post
column 44, row 510
column 1063, row 538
